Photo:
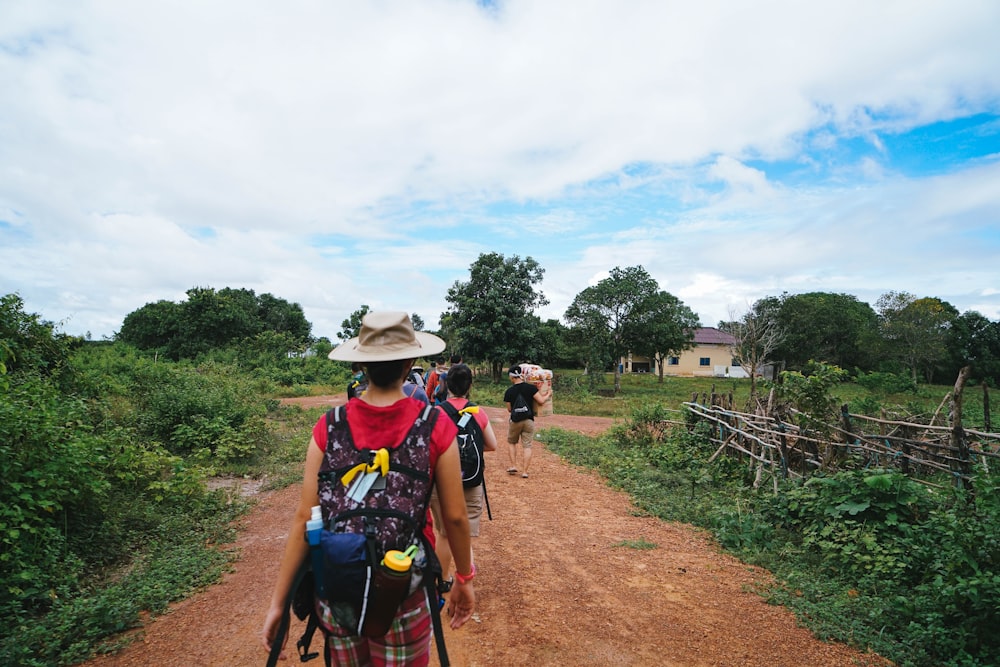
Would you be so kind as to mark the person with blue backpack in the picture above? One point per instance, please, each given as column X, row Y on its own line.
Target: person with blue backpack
column 375, row 510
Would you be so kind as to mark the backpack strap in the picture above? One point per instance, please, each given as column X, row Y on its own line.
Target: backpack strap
column 279, row 638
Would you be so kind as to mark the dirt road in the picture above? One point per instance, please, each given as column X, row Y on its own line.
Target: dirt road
column 557, row 585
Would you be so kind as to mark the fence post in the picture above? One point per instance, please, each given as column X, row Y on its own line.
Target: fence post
column 986, row 408
column 783, row 450
column 963, row 467
column 845, row 417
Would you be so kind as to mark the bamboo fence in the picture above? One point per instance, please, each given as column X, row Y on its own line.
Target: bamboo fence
column 786, row 444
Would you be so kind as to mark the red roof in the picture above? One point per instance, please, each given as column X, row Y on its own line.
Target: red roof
column 712, row 336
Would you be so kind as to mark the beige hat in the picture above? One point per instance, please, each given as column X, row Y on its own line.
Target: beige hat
column 387, row 336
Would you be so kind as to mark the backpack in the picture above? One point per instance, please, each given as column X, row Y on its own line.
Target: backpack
column 519, row 409
column 441, row 390
column 470, row 442
column 372, row 501
column 356, row 389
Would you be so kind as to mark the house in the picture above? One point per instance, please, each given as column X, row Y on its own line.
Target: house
column 711, row 355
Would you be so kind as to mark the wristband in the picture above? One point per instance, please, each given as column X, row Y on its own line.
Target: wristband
column 465, row 578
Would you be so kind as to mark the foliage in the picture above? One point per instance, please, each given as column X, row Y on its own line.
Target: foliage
column 190, row 409
column 491, row 317
column 98, row 519
column 886, row 383
column 210, row 319
column 833, row 328
column 914, row 331
column 666, row 328
column 351, row 327
column 612, row 313
column 49, row 467
column 973, row 340
column 28, row 343
column 867, row 557
column 812, row 394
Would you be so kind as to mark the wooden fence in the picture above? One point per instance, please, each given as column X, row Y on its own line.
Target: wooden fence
column 796, row 446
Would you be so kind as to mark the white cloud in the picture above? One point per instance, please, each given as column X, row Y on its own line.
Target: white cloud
column 340, row 154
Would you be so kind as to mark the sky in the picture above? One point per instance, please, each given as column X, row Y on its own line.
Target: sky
column 338, row 154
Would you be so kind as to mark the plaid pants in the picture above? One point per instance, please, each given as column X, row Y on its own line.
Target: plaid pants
column 408, row 642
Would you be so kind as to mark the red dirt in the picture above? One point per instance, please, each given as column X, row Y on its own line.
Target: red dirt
column 556, row 586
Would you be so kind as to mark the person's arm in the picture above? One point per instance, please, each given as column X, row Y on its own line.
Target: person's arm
column 489, row 436
column 541, row 397
column 455, row 517
column 296, row 547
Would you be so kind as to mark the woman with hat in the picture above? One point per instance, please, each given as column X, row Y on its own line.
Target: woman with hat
column 387, row 347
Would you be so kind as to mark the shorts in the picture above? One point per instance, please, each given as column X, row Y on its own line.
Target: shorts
column 473, row 505
column 523, row 431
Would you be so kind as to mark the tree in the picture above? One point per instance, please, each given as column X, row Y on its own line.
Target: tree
column 211, row 319
column 974, row 341
column 29, row 344
column 351, row 327
column 554, row 348
column 915, row 330
column 823, row 326
column 665, row 328
column 491, row 315
column 757, row 335
column 152, row 327
column 281, row 317
column 613, row 311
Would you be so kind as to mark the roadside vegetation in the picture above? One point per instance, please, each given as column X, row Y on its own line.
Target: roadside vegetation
column 865, row 556
column 123, row 462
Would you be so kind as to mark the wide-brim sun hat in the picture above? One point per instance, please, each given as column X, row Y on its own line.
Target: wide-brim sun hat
column 387, row 336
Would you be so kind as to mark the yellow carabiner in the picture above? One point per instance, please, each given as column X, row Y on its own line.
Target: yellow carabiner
column 381, row 462
column 470, row 409
column 348, row 476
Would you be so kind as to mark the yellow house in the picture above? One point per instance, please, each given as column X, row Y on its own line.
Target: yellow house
column 711, row 356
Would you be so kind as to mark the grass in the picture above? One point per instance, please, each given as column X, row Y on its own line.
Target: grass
column 939, row 622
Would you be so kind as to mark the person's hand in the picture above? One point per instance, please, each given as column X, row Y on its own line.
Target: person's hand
column 461, row 604
column 271, row 623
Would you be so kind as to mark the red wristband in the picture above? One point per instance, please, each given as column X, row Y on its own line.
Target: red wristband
column 465, row 578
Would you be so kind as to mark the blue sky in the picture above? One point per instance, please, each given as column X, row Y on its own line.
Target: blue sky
column 336, row 154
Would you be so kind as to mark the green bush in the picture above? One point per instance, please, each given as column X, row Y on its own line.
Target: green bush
column 50, row 473
column 886, row 383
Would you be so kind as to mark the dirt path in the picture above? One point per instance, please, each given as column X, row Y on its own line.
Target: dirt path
column 556, row 586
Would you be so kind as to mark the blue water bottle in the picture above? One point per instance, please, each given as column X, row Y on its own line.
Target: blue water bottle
column 314, row 529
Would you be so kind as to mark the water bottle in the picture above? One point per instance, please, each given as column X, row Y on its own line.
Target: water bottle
column 314, row 530
column 391, row 584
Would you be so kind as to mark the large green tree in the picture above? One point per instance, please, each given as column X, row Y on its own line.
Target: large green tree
column 665, row 328
column 824, row 326
column 153, row 327
column 491, row 315
column 612, row 313
column 973, row 340
column 915, row 331
column 212, row 319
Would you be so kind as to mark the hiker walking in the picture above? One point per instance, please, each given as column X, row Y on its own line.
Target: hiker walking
column 387, row 423
column 520, row 399
column 459, row 382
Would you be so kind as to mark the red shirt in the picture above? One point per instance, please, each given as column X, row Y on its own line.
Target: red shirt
column 375, row 427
